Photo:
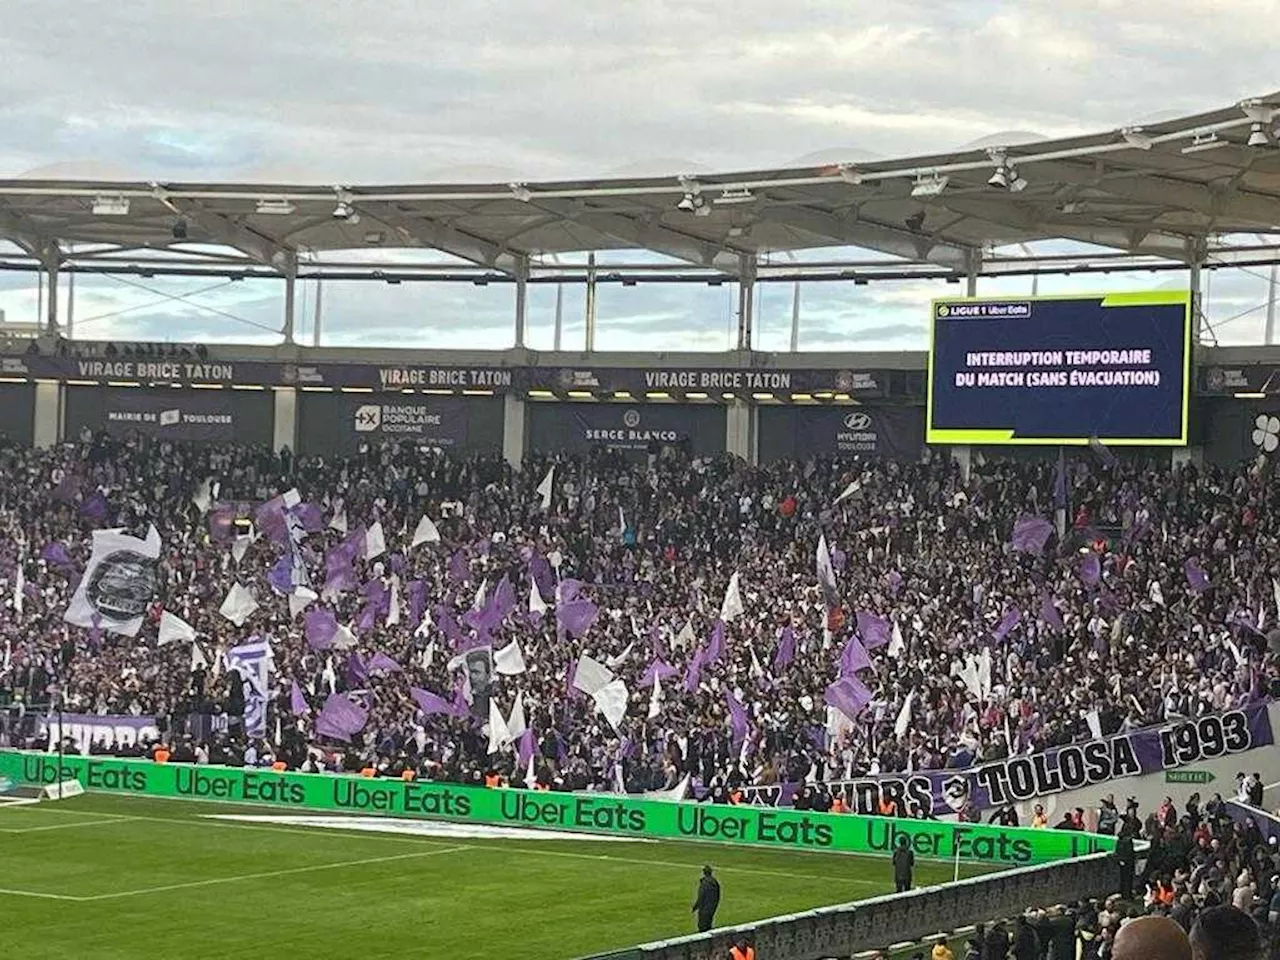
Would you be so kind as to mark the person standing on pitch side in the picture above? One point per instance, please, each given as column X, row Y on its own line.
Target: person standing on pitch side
column 708, row 900
column 904, row 861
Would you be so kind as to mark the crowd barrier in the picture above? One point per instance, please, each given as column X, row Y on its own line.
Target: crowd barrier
column 876, row 924
column 592, row 813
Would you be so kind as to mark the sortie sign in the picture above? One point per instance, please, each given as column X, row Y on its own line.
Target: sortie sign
column 591, row 813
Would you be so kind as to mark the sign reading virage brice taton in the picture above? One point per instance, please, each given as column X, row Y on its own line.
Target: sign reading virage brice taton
column 593, row 813
column 1061, row 370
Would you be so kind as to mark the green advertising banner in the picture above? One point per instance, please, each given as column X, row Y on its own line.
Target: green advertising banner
column 593, row 813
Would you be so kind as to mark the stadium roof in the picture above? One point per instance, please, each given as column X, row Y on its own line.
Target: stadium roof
column 1162, row 189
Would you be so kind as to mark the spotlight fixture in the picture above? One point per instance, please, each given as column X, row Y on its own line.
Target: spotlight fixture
column 929, row 186
column 1005, row 176
column 108, row 206
column 1136, row 138
column 1204, row 142
column 740, row 195
column 281, row 208
column 849, row 174
column 695, row 204
column 999, row 179
column 180, row 228
column 521, row 192
column 1258, row 135
column 342, row 211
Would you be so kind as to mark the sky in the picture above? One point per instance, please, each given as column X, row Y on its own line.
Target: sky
column 394, row 91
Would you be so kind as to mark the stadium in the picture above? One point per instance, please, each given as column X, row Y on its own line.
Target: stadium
column 639, row 608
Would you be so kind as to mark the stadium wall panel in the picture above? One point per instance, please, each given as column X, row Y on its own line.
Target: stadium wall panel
column 896, row 433
column 632, row 428
column 337, row 424
column 17, row 413
column 169, row 413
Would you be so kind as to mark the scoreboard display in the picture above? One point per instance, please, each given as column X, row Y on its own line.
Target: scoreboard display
column 1061, row 370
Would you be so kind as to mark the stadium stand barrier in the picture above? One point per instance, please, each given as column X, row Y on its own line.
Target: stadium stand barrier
column 880, row 923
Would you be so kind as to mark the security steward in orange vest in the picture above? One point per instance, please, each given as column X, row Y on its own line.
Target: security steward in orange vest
column 742, row 951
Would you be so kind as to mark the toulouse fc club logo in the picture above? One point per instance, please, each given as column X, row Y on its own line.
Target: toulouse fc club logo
column 122, row 585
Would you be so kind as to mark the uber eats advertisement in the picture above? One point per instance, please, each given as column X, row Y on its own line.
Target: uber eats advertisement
column 598, row 813
column 595, row 813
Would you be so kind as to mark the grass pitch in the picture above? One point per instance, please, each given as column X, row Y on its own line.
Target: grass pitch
column 118, row 878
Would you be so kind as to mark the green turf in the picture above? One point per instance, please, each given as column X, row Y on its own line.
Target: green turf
column 117, row 878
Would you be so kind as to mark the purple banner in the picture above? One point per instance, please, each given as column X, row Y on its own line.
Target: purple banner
column 1031, row 776
column 178, row 415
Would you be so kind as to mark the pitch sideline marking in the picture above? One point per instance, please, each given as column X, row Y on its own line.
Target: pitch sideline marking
column 5, row 891
column 66, row 826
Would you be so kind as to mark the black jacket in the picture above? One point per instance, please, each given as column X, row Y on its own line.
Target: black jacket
column 708, row 896
column 904, row 859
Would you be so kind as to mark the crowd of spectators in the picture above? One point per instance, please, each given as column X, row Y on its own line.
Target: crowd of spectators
column 654, row 539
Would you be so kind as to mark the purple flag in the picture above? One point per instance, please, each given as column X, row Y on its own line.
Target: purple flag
column 297, row 702
column 269, row 520
column 417, row 591
column 875, row 631
column 340, row 719
column 1090, row 570
column 659, row 669
column 1049, row 612
column 738, row 722
column 310, row 517
column 320, row 625
column 94, row 508
column 430, row 704
column 786, row 651
column 1012, row 617
column 540, row 571
column 854, row 657
column 1197, row 579
column 449, row 626
column 569, row 590
column 838, row 558
column 379, row 597
column 356, row 673
column 576, row 617
column 366, row 618
column 280, row 576
column 1030, row 534
column 849, row 695
column 55, row 554
column 693, row 675
column 384, row 663
column 459, row 569
column 339, row 574
column 895, row 582
column 1102, row 453
column 715, row 644
column 524, row 749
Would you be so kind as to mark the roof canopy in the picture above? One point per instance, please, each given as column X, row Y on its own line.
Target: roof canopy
column 1162, row 189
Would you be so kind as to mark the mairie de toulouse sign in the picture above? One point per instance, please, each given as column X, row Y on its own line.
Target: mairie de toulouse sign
column 1032, row 776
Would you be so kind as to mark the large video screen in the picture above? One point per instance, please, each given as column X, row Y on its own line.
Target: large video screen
column 1061, row 370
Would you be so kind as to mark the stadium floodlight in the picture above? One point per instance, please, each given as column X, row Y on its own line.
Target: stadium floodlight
column 930, row 186
column 1017, row 184
column 275, row 207
column 999, row 179
column 1136, row 138
column 342, row 211
column 108, row 206
column 1258, row 135
column 1260, row 115
column 1204, row 142
column 849, row 174
column 521, row 192
column 687, row 203
column 740, row 195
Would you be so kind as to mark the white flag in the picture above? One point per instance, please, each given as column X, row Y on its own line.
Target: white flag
column 1094, row 722
column 544, row 488
column 374, row 543
column 655, row 699
column 904, row 715
column 849, row 491
column 685, row 637
column 622, row 522
column 516, row 723
column 426, row 532
column 897, row 646
column 591, row 675
column 339, row 521
column 499, row 736
column 732, row 605
column 300, row 599
column 509, row 661
column 343, row 638
column 239, row 605
column 240, row 546
column 393, row 608
column 123, row 571
column 611, row 700
column 173, row 627
column 613, row 663
column 19, row 588
column 1275, row 595
column 536, row 603
column 203, row 497
column 757, row 670
column 198, row 659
